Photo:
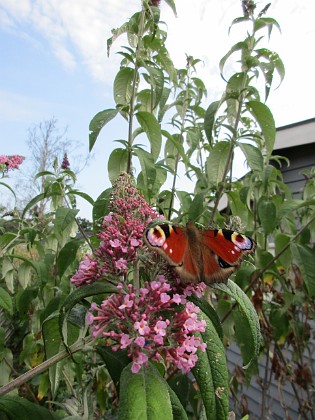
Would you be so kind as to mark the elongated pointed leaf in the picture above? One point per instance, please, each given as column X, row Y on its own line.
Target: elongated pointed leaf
column 152, row 128
column 123, row 84
column 178, row 410
column 148, row 171
column 98, row 122
column 305, row 259
column 237, row 47
column 17, row 408
column 253, row 156
column 247, row 310
column 144, row 395
column 211, row 374
column 67, row 255
column 267, row 213
column 217, row 161
column 117, row 163
column 115, row 361
column 6, row 301
column 265, row 119
column 209, row 120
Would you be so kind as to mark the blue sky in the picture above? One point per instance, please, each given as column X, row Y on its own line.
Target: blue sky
column 53, row 63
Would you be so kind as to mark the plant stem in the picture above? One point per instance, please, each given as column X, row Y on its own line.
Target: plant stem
column 79, row 345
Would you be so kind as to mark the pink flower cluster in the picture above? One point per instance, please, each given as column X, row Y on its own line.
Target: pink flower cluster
column 151, row 324
column 121, row 236
column 11, row 162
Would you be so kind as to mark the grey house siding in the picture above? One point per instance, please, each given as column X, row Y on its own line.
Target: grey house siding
column 301, row 158
column 297, row 143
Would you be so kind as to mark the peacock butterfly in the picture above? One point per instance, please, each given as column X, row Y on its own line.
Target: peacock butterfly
column 209, row 255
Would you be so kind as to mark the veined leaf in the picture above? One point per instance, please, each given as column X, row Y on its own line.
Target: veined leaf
column 247, row 310
column 152, row 128
column 253, row 156
column 144, row 395
column 98, row 122
column 17, row 408
column 237, row 47
column 67, row 255
column 217, row 161
column 211, row 374
column 305, row 259
column 267, row 213
column 148, row 171
column 117, row 163
column 265, row 119
column 123, row 85
column 209, row 120
column 6, row 301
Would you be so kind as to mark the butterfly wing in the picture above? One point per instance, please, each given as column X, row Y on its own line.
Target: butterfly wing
column 172, row 243
column 223, row 251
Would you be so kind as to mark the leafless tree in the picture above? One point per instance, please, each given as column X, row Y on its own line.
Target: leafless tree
column 47, row 144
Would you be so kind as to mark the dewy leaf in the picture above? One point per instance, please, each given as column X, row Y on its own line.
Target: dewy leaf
column 305, row 259
column 117, row 163
column 152, row 128
column 211, row 374
column 247, row 310
column 217, row 161
column 265, row 119
column 98, row 122
column 253, row 156
column 144, row 395
column 209, row 120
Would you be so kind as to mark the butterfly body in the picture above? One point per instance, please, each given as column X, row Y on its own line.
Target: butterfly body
column 209, row 255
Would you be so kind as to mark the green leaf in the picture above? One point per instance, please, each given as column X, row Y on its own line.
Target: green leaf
column 217, row 161
column 115, row 362
column 305, row 260
column 266, row 22
column 211, row 374
column 171, row 3
column 117, row 163
column 98, row 122
column 24, row 300
column 151, row 127
column 6, row 301
column 265, row 119
column 86, row 197
column 197, row 207
column 209, row 120
column 78, row 295
column 253, row 156
column 7, row 239
column 148, row 171
column 247, row 310
column 178, row 410
column 123, row 85
column 9, row 188
column 67, row 255
column 243, row 335
column 237, row 47
column 282, row 240
column 210, row 312
column 64, row 220
column 32, row 203
column 267, row 213
column 100, row 208
column 144, row 395
column 17, row 408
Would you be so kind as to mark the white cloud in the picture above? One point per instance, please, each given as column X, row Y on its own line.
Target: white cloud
column 77, row 31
